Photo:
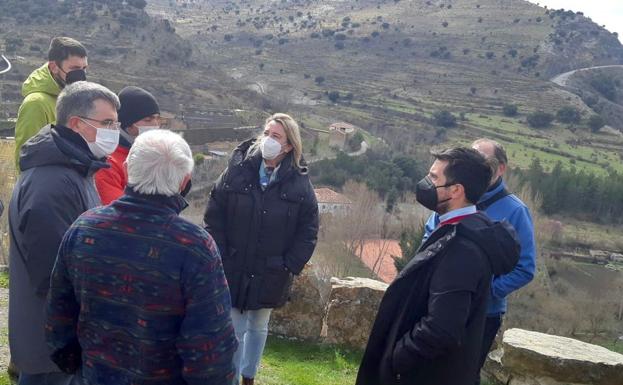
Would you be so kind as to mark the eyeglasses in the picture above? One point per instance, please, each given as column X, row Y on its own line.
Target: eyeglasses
column 108, row 124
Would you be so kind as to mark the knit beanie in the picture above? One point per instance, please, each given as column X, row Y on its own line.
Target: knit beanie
column 136, row 104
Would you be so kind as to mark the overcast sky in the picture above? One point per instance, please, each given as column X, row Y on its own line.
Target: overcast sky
column 602, row 12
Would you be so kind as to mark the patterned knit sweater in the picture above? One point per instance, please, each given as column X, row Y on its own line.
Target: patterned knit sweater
column 144, row 294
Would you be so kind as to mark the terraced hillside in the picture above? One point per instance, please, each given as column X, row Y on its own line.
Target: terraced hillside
column 126, row 47
column 387, row 66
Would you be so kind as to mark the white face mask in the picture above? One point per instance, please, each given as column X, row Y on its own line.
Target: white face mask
column 106, row 141
column 270, row 148
column 144, row 129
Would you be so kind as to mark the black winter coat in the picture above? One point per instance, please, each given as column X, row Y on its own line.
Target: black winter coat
column 264, row 236
column 54, row 188
column 430, row 322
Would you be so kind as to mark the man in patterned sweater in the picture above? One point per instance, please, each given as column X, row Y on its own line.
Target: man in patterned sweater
column 138, row 294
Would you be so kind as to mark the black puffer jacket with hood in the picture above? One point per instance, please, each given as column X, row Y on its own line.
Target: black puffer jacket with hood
column 264, row 236
column 429, row 326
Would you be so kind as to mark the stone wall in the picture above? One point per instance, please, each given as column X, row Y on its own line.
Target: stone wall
column 342, row 311
column 531, row 358
column 339, row 312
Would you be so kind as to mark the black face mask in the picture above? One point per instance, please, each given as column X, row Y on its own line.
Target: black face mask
column 426, row 193
column 75, row 76
column 186, row 189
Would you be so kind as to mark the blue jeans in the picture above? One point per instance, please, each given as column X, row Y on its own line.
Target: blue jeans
column 251, row 327
column 55, row 378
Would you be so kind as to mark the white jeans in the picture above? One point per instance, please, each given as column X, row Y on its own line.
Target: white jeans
column 251, row 327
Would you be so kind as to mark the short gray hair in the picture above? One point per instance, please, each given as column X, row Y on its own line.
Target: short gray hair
column 158, row 162
column 78, row 99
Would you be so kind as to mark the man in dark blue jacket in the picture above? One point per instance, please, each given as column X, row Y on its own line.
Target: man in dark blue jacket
column 499, row 204
column 54, row 188
column 429, row 327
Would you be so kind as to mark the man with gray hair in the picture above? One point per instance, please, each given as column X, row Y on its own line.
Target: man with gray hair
column 138, row 295
column 54, row 188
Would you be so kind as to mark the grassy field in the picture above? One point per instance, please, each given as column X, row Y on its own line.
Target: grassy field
column 295, row 363
column 552, row 145
column 593, row 235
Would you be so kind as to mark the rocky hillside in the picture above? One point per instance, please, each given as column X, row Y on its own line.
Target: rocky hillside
column 387, row 66
column 126, row 46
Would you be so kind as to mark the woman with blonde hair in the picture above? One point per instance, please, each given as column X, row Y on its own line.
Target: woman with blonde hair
column 263, row 215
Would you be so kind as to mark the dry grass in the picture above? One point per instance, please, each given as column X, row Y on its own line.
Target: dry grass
column 7, row 176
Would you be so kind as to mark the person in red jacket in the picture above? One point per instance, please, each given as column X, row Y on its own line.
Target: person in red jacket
column 139, row 113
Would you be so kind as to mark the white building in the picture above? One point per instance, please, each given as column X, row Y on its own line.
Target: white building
column 332, row 202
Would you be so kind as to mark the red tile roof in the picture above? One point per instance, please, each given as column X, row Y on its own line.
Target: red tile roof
column 379, row 252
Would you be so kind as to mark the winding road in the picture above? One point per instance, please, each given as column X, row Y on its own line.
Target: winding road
column 8, row 68
column 562, row 79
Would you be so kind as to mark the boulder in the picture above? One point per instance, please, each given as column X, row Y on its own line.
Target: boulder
column 532, row 358
column 353, row 303
column 302, row 317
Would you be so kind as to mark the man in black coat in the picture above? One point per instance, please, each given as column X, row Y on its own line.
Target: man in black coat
column 429, row 326
column 54, row 188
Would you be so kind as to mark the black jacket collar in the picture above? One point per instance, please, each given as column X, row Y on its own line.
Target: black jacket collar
column 176, row 202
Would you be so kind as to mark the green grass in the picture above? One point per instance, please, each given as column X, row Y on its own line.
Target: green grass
column 4, row 379
column 296, row 363
column 592, row 235
column 4, row 280
column 524, row 143
column 618, row 347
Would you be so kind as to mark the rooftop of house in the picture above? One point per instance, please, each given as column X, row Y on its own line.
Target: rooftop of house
column 326, row 195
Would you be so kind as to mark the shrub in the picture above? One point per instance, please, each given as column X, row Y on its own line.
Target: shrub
column 509, row 109
column 140, row 4
column 354, row 143
column 199, row 159
column 530, row 62
column 444, row 118
column 605, row 86
column 596, row 122
column 540, row 119
column 590, row 99
column 568, row 115
column 334, row 96
column 319, row 80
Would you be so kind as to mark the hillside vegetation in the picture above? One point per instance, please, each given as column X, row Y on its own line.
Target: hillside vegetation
column 390, row 66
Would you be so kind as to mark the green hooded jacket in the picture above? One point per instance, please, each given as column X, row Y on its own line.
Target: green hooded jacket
column 38, row 109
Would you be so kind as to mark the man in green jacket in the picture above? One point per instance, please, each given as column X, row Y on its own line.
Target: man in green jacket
column 67, row 63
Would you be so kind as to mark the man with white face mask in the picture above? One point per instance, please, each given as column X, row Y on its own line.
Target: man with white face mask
column 54, row 188
column 139, row 113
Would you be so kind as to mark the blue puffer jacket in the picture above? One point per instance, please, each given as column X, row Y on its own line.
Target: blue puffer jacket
column 513, row 210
